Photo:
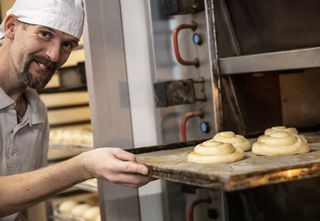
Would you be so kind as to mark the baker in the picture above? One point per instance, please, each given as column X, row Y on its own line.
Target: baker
column 37, row 39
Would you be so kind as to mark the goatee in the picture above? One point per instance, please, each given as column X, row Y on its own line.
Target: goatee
column 33, row 82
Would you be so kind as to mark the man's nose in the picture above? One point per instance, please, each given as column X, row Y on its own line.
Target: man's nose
column 54, row 52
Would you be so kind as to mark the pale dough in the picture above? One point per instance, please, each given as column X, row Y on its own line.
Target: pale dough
column 234, row 139
column 290, row 130
column 91, row 213
column 212, row 151
column 78, row 211
column 66, row 206
column 280, row 143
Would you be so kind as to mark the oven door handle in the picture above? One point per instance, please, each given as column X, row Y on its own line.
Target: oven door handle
column 193, row 26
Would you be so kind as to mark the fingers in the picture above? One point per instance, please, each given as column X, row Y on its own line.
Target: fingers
column 126, row 171
column 130, row 180
column 128, row 163
column 131, row 167
column 117, row 166
column 123, row 155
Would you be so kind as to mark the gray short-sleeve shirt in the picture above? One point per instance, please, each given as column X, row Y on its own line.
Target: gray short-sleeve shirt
column 24, row 145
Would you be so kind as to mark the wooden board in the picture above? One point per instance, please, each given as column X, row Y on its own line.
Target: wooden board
column 250, row 172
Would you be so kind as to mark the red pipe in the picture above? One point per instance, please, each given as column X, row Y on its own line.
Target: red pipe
column 176, row 31
column 183, row 122
column 194, row 204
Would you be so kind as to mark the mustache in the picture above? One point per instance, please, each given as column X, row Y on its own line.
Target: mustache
column 52, row 66
column 27, row 77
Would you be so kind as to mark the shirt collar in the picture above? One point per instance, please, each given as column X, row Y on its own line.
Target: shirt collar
column 37, row 108
column 5, row 100
column 37, row 113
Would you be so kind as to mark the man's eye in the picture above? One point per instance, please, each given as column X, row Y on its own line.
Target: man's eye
column 68, row 45
column 45, row 34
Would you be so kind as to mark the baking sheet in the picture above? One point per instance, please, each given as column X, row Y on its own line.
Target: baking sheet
column 250, row 172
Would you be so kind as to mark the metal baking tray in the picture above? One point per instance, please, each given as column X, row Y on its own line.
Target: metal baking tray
column 170, row 162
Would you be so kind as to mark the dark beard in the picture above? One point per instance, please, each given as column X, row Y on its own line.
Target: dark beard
column 32, row 82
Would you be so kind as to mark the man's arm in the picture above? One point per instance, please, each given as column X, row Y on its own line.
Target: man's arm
column 18, row 192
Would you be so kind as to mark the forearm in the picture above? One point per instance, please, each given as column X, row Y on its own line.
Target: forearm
column 20, row 191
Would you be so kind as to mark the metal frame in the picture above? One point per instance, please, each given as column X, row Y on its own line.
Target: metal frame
column 214, row 65
column 283, row 60
column 136, row 23
column 109, row 99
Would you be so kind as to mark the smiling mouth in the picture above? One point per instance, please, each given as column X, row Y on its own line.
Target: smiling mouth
column 39, row 68
column 42, row 66
column 43, row 63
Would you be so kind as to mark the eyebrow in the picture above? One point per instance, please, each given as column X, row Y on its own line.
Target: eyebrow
column 73, row 40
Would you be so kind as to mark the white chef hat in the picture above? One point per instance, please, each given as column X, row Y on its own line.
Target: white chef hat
column 63, row 15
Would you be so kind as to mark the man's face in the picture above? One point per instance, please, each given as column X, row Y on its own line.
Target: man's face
column 38, row 51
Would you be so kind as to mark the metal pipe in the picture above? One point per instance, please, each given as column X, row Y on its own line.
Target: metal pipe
column 176, row 31
column 194, row 204
column 183, row 122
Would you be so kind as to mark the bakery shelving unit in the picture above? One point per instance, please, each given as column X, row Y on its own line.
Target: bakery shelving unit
column 62, row 206
column 59, row 217
column 64, row 151
column 88, row 187
column 67, row 102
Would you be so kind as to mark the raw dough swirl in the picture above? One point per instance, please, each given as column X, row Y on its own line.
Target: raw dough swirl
column 290, row 130
column 212, row 151
column 234, row 139
column 280, row 143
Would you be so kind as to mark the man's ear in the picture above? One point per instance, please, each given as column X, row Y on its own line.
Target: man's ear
column 10, row 24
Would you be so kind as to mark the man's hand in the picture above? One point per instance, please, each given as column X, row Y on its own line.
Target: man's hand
column 115, row 165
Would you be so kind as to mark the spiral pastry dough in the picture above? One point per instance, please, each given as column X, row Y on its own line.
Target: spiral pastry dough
column 237, row 141
column 290, row 130
column 212, row 151
column 280, row 143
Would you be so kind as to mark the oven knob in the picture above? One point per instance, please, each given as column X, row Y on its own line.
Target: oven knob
column 204, row 127
column 197, row 39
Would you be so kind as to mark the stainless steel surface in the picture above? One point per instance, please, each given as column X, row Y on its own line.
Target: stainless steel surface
column 223, row 206
column 284, row 60
column 218, row 204
column 109, row 99
column 167, row 68
column 182, row 196
column 214, row 66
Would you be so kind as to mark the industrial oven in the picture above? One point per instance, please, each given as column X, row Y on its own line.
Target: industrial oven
column 167, row 74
